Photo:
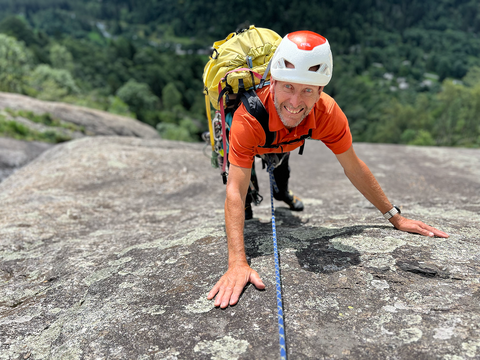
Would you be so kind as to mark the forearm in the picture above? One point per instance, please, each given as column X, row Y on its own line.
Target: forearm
column 228, row 289
column 236, row 192
column 363, row 179
column 234, row 223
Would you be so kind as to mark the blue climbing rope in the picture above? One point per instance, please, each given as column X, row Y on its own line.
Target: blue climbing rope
column 281, row 328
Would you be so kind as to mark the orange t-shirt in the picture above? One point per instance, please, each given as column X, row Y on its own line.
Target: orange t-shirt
column 327, row 121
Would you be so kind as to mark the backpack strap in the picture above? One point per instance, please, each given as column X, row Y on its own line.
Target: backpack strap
column 303, row 137
column 264, row 77
column 255, row 107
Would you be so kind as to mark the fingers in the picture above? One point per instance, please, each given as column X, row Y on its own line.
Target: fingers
column 214, row 291
column 255, row 280
column 419, row 227
column 439, row 233
column 422, row 230
column 237, row 291
column 428, row 230
column 230, row 286
column 434, row 232
column 223, row 292
column 224, row 298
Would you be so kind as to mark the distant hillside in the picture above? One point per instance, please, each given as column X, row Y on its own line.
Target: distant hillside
column 405, row 71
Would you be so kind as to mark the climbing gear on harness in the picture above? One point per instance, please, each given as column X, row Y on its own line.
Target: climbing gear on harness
column 310, row 55
column 278, row 286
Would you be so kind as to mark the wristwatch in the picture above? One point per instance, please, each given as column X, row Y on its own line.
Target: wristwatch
column 393, row 211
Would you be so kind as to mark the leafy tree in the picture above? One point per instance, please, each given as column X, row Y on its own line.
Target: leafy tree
column 15, row 62
column 186, row 130
column 17, row 28
column 61, row 58
column 52, row 84
column 140, row 99
column 117, row 106
column 171, row 97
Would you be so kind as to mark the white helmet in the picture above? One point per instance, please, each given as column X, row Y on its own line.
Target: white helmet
column 303, row 49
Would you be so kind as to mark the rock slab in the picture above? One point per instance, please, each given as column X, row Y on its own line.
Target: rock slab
column 15, row 154
column 95, row 122
column 109, row 245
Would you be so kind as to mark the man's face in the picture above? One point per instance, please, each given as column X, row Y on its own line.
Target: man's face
column 294, row 102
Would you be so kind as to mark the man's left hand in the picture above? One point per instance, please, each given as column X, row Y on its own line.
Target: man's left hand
column 415, row 226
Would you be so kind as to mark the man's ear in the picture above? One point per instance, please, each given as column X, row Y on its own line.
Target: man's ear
column 320, row 89
column 272, row 86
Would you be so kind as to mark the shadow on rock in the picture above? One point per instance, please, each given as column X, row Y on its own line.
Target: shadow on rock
column 321, row 257
column 316, row 254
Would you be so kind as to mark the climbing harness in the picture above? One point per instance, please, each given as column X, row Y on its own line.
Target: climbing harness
column 281, row 328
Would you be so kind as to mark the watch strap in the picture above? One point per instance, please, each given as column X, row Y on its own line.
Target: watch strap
column 390, row 213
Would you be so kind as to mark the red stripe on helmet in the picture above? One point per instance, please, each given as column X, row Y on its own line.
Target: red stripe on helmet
column 306, row 40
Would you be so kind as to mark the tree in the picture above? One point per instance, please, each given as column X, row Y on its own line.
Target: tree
column 52, row 84
column 16, row 28
column 61, row 58
column 172, row 98
column 15, row 62
column 140, row 100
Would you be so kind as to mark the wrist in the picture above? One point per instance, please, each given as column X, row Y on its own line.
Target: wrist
column 395, row 220
column 392, row 212
column 237, row 261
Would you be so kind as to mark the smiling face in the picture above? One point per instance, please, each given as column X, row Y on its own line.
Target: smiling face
column 294, row 102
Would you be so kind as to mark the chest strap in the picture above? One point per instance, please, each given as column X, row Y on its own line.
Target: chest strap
column 255, row 107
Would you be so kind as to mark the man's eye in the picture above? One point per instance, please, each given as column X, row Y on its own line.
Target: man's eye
column 288, row 86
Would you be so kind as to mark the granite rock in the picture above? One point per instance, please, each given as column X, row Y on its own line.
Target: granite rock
column 109, row 246
column 95, row 122
column 16, row 153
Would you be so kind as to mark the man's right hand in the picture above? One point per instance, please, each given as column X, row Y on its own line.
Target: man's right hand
column 232, row 283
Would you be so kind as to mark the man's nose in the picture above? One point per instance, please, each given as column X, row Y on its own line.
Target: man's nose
column 295, row 100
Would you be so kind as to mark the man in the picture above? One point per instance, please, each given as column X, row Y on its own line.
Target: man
column 301, row 67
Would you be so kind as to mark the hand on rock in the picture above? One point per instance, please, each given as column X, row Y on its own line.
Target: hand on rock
column 417, row 227
column 232, row 283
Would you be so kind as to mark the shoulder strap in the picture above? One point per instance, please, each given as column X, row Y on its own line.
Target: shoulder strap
column 255, row 107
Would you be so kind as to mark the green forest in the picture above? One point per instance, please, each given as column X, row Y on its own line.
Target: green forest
column 405, row 71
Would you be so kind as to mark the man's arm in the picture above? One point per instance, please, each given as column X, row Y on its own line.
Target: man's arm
column 363, row 179
column 239, row 273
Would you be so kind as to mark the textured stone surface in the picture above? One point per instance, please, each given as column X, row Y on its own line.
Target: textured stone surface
column 95, row 122
column 109, row 245
column 15, row 154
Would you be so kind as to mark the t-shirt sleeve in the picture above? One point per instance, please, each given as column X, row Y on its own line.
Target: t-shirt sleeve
column 334, row 131
column 245, row 134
